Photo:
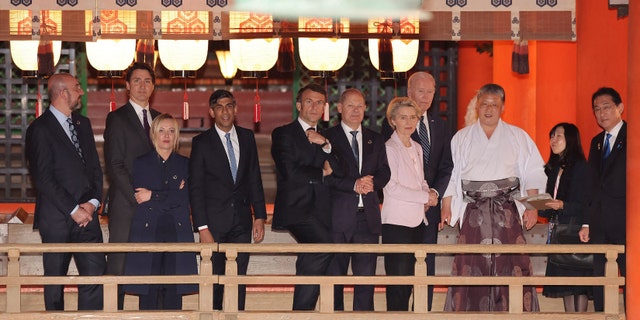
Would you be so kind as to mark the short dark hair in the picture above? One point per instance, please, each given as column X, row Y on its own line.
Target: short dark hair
column 220, row 94
column 140, row 66
column 313, row 87
column 606, row 91
column 492, row 88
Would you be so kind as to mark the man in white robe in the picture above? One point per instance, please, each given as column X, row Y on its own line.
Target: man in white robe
column 497, row 161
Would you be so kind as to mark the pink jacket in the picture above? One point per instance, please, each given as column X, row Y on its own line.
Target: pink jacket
column 407, row 191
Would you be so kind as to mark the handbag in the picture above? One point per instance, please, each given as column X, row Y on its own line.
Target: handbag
column 568, row 234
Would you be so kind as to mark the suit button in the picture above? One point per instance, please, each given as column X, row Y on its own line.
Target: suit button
column 179, row 224
column 232, row 205
column 146, row 225
column 166, row 182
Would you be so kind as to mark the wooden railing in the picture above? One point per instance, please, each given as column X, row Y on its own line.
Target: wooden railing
column 14, row 281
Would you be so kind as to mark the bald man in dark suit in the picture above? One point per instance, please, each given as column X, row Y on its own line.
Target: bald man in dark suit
column 65, row 169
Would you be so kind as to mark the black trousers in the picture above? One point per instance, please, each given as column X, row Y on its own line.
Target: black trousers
column 400, row 264
column 237, row 234
column 362, row 264
column 431, row 237
column 311, row 230
column 90, row 296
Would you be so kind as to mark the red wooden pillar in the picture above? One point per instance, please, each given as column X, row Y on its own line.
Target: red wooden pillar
column 633, row 171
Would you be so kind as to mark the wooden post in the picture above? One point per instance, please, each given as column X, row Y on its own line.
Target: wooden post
column 231, row 290
column 13, row 290
column 110, row 297
column 611, row 292
column 420, row 304
column 205, row 297
column 516, row 302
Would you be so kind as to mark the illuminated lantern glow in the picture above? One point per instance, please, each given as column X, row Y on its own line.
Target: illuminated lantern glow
column 24, row 53
column 183, row 57
column 323, row 54
column 255, row 56
column 111, row 57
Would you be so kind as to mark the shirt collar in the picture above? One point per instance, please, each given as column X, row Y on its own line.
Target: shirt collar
column 222, row 133
column 616, row 129
column 306, row 126
column 347, row 129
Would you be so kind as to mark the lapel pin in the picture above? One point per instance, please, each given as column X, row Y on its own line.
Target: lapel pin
column 175, row 177
column 369, row 142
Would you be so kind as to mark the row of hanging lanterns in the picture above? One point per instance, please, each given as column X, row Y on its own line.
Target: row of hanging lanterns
column 254, row 57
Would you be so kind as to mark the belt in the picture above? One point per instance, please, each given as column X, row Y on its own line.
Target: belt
column 360, row 209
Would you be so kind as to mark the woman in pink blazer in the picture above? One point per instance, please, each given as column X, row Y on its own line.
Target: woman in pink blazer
column 406, row 197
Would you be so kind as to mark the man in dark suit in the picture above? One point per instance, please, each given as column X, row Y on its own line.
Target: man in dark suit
column 126, row 137
column 65, row 170
column 435, row 139
column 606, row 213
column 225, row 186
column 354, row 196
column 302, row 157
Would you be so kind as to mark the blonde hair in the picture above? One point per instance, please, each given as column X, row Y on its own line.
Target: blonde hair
column 155, row 128
column 401, row 102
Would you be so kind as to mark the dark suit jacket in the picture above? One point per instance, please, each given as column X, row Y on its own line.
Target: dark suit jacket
column 608, row 206
column 124, row 141
column 301, row 188
column 573, row 190
column 344, row 200
column 167, row 198
column 215, row 198
column 438, row 171
column 60, row 176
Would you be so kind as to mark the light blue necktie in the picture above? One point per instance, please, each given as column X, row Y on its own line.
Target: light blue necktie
column 607, row 147
column 232, row 157
column 424, row 141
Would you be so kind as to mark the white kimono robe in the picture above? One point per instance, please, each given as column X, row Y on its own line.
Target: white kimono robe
column 509, row 153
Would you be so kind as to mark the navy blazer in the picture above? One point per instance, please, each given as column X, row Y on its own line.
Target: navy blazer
column 163, row 178
column 608, row 206
column 215, row 198
column 344, row 199
column 301, row 188
column 61, row 178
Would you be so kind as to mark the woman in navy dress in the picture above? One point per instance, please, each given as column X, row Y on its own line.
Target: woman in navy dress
column 163, row 215
column 568, row 180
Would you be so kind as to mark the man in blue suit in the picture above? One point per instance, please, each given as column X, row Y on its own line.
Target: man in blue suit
column 354, row 195
column 434, row 137
column 65, row 170
column 225, row 187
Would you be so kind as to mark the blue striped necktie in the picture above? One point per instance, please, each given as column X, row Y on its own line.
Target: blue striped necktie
column 607, row 146
column 424, row 141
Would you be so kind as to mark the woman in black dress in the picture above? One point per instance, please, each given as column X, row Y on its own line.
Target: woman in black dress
column 568, row 181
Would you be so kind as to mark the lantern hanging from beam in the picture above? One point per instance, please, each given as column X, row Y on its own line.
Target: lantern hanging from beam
column 24, row 54
column 323, row 55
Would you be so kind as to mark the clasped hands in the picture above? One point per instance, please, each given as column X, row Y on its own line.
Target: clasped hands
column 84, row 214
column 363, row 185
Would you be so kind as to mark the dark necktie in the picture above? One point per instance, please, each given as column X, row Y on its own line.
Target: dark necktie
column 424, row 141
column 607, row 146
column 145, row 123
column 232, row 157
column 74, row 137
column 355, row 148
